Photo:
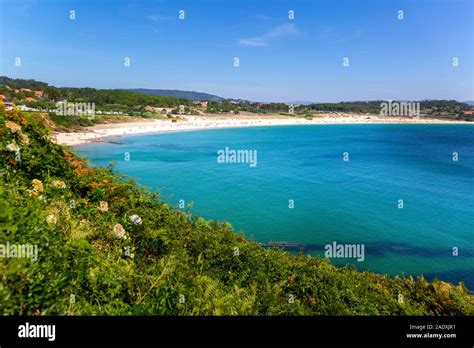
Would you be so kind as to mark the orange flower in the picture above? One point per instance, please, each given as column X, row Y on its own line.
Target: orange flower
column 11, row 161
column 83, row 171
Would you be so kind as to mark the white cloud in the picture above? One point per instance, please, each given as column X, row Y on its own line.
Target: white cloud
column 265, row 39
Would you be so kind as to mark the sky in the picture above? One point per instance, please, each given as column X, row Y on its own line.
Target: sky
column 391, row 55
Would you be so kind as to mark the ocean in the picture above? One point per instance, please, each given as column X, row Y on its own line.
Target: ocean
column 405, row 193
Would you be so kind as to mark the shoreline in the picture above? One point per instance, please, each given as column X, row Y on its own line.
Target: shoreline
column 98, row 133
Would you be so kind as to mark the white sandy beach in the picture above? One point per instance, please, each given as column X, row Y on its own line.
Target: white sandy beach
column 99, row 132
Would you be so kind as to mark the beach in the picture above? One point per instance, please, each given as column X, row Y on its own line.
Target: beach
column 99, row 133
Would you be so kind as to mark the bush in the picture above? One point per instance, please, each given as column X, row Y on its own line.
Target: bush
column 107, row 246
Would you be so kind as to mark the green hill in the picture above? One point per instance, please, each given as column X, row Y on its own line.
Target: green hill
column 103, row 98
column 109, row 247
column 190, row 95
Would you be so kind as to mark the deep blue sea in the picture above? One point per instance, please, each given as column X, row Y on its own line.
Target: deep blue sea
column 348, row 202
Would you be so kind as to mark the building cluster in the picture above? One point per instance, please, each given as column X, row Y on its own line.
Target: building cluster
column 203, row 104
column 10, row 102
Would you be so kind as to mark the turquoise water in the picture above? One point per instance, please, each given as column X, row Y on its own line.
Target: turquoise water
column 355, row 201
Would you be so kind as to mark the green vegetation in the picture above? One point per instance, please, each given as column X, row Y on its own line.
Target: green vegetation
column 69, row 122
column 22, row 83
column 262, row 108
column 124, row 101
column 110, row 247
column 189, row 95
column 437, row 108
column 105, row 97
column 138, row 102
column 372, row 107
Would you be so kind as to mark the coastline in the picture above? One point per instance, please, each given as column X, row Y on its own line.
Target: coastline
column 98, row 133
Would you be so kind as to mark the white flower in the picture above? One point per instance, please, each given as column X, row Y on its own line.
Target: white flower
column 31, row 193
column 59, row 183
column 37, row 185
column 24, row 138
column 13, row 147
column 136, row 219
column 119, row 231
column 103, row 206
column 51, row 218
column 13, row 126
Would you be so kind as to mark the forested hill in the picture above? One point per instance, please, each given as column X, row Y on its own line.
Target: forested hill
column 22, row 83
column 129, row 97
column 171, row 98
column 136, row 101
column 100, row 97
column 190, row 95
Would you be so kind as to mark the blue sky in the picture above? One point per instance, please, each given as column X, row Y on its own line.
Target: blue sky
column 281, row 59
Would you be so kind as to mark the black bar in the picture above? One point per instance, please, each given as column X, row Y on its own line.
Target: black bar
column 241, row 330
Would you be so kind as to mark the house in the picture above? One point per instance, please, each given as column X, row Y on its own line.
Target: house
column 469, row 112
column 30, row 99
column 25, row 108
column 201, row 103
column 8, row 103
column 23, row 90
column 39, row 93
